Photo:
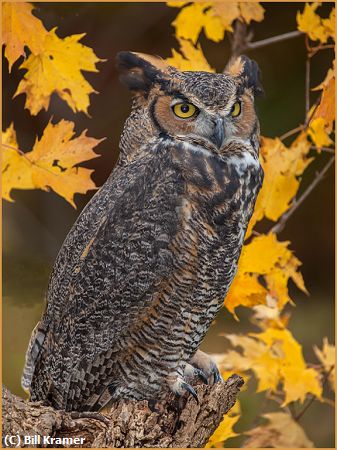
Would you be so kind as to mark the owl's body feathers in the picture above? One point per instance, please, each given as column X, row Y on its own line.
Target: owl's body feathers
column 147, row 265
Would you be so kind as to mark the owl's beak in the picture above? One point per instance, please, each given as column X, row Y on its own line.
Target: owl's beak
column 218, row 135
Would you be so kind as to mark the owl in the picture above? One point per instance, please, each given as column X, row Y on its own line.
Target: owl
column 149, row 261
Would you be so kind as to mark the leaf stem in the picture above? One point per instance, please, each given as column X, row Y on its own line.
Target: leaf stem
column 319, row 176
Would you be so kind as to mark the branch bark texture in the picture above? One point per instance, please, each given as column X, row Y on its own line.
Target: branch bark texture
column 128, row 424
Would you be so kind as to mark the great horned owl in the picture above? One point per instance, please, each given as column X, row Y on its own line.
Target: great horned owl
column 147, row 265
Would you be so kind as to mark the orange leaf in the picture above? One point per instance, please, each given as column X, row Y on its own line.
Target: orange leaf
column 20, row 28
column 51, row 164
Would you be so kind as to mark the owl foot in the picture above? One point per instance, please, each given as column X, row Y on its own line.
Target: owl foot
column 205, row 363
column 192, row 372
column 179, row 386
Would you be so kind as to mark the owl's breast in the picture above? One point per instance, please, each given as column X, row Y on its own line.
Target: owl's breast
column 218, row 204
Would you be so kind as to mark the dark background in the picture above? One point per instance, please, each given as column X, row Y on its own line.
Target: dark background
column 35, row 226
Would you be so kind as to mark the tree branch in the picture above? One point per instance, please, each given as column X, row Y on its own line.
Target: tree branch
column 319, row 176
column 240, row 39
column 128, row 424
column 272, row 40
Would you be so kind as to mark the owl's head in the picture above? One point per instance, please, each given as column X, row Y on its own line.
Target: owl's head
column 203, row 108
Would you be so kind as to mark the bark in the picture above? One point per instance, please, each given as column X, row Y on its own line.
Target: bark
column 128, row 424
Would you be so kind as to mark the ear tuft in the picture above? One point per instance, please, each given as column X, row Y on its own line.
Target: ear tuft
column 139, row 71
column 248, row 69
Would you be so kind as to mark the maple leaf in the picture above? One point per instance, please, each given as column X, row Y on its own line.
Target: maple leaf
column 190, row 21
column 245, row 291
column 326, row 107
column 318, row 131
column 272, row 259
column 20, row 28
column 282, row 167
column 313, row 25
column 251, row 11
column 51, row 164
column 58, row 68
column 214, row 17
column 329, row 24
column 327, row 357
column 223, row 432
column 282, row 431
column 190, row 58
column 276, row 358
column 15, row 166
column 269, row 315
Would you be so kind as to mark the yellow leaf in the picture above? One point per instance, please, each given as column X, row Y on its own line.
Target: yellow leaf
column 329, row 24
column 326, row 107
column 190, row 58
column 276, row 359
column 20, row 177
column 51, row 163
column 269, row 315
column 20, row 28
column 226, row 12
column 327, row 357
column 190, row 21
column 318, row 131
column 223, row 432
column 176, row 4
column 298, row 382
column 280, row 432
column 288, row 362
column 311, row 23
column 213, row 25
column 58, row 69
column 251, row 11
column 245, row 291
column 282, row 166
column 266, row 256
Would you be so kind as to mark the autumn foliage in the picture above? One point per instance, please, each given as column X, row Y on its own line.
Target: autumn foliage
column 272, row 356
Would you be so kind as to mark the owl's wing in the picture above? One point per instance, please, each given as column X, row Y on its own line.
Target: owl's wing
column 106, row 275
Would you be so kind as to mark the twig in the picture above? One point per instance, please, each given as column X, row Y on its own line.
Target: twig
column 272, row 40
column 323, row 149
column 240, row 38
column 313, row 397
column 307, row 89
column 291, row 132
column 319, row 176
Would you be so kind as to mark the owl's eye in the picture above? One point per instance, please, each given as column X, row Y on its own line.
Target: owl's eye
column 236, row 109
column 184, row 110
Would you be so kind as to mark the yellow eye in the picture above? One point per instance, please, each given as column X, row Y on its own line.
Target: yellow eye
column 236, row 109
column 184, row 110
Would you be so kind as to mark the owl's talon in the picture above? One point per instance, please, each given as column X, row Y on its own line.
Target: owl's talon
column 178, row 385
column 200, row 374
column 205, row 363
column 217, row 375
column 189, row 388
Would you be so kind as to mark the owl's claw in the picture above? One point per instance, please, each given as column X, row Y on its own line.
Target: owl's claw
column 191, row 372
column 217, row 375
column 205, row 363
column 200, row 374
column 189, row 388
column 178, row 386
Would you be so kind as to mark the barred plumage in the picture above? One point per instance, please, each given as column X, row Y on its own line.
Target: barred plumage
column 148, row 263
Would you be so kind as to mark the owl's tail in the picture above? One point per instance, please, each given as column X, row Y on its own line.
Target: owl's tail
column 34, row 348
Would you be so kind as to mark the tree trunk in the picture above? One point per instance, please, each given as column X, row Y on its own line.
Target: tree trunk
column 128, row 424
